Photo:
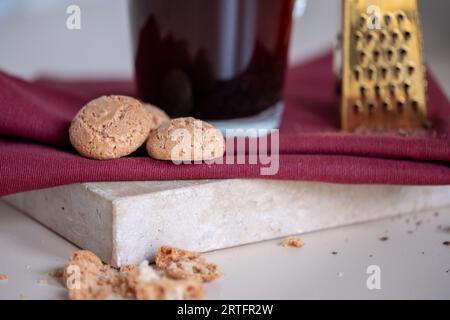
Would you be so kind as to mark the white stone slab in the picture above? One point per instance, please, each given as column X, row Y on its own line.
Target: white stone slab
column 125, row 222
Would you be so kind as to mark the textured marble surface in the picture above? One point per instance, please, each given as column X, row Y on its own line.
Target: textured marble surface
column 125, row 222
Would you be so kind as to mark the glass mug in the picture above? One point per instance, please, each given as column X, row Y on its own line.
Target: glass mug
column 211, row 59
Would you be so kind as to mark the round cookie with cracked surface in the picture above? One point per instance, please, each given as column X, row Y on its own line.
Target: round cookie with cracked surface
column 157, row 116
column 110, row 127
column 186, row 139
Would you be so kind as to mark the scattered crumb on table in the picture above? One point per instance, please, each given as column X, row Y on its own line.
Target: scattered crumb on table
column 446, row 243
column 43, row 282
column 292, row 242
column 182, row 264
column 3, row 277
column 57, row 274
column 23, row 296
column 178, row 275
column 334, row 253
column 384, row 239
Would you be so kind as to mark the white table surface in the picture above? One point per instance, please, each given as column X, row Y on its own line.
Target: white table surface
column 413, row 265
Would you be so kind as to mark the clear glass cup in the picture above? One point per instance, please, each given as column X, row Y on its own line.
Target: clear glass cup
column 211, row 59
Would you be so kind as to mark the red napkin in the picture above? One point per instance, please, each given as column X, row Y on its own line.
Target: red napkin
column 35, row 151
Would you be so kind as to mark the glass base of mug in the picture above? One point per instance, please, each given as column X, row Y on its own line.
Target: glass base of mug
column 255, row 126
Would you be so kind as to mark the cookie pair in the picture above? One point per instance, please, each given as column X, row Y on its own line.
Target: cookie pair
column 111, row 127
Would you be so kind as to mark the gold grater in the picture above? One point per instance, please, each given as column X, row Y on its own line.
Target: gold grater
column 382, row 71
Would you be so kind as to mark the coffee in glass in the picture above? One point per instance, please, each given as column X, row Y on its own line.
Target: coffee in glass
column 211, row 59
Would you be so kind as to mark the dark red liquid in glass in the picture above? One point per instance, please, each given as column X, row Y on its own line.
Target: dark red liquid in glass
column 211, row 59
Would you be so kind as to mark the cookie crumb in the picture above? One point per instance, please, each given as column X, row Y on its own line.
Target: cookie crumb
column 99, row 281
column 3, row 277
column 86, row 278
column 334, row 253
column 181, row 264
column 42, row 282
column 23, row 296
column 292, row 242
column 57, row 274
column 145, row 283
column 446, row 243
column 383, row 239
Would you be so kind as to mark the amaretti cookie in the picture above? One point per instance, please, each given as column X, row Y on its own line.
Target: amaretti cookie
column 185, row 139
column 157, row 116
column 110, row 127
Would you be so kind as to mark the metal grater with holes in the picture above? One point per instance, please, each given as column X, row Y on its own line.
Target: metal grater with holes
column 382, row 70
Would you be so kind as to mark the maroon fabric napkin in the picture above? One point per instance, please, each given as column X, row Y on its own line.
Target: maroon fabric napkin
column 35, row 151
